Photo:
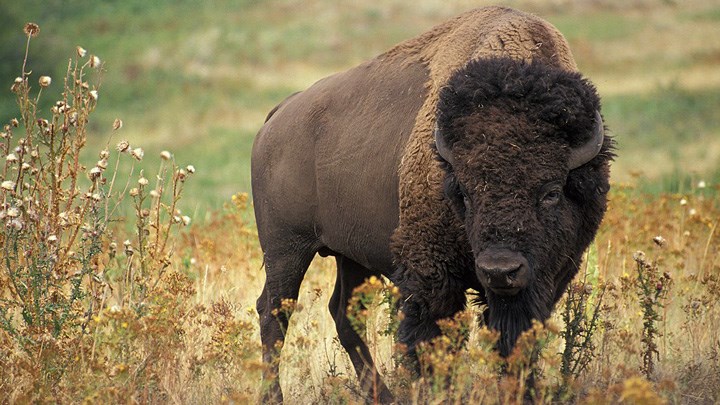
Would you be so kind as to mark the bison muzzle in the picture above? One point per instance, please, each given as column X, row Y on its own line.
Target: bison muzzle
column 471, row 157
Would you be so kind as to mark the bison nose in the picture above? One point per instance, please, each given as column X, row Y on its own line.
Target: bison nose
column 502, row 271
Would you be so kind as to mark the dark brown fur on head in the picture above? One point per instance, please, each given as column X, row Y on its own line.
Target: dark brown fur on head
column 540, row 93
column 510, row 126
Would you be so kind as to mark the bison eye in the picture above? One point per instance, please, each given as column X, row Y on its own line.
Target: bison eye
column 551, row 196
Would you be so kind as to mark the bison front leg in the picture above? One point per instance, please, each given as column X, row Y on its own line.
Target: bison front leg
column 351, row 275
column 426, row 300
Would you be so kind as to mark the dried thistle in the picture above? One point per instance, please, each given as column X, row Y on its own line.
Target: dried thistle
column 123, row 146
column 31, row 29
column 17, row 85
column 94, row 61
column 45, row 81
column 8, row 185
column 652, row 289
column 95, row 173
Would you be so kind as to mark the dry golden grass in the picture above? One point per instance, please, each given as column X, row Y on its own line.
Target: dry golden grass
column 678, row 236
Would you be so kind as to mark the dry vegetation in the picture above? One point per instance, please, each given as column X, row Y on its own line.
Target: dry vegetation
column 108, row 295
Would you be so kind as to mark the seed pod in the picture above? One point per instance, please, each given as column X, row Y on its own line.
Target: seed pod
column 123, row 146
column 137, row 153
column 95, row 172
column 31, row 29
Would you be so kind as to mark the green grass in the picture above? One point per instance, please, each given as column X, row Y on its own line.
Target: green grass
column 596, row 27
column 667, row 115
column 678, row 125
column 225, row 166
column 710, row 14
column 198, row 78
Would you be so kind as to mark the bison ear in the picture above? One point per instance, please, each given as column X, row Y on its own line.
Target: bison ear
column 442, row 147
column 587, row 151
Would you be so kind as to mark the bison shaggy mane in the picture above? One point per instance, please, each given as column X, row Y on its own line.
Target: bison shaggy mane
column 543, row 93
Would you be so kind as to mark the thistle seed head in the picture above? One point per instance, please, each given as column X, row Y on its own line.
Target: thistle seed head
column 95, row 173
column 123, row 146
column 8, row 185
column 94, row 61
column 31, row 29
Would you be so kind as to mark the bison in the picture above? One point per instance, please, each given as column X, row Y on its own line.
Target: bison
column 470, row 157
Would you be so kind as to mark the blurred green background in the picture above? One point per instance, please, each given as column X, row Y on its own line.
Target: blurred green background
column 198, row 77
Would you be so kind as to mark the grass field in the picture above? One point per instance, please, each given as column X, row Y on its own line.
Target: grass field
column 198, row 78
column 201, row 78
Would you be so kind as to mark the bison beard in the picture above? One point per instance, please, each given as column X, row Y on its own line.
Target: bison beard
column 513, row 316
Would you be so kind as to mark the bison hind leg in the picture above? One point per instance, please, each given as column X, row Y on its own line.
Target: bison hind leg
column 350, row 275
column 285, row 268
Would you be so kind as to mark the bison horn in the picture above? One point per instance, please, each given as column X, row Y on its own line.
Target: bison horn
column 586, row 152
column 442, row 148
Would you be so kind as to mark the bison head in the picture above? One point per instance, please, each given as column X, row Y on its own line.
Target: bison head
column 526, row 171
